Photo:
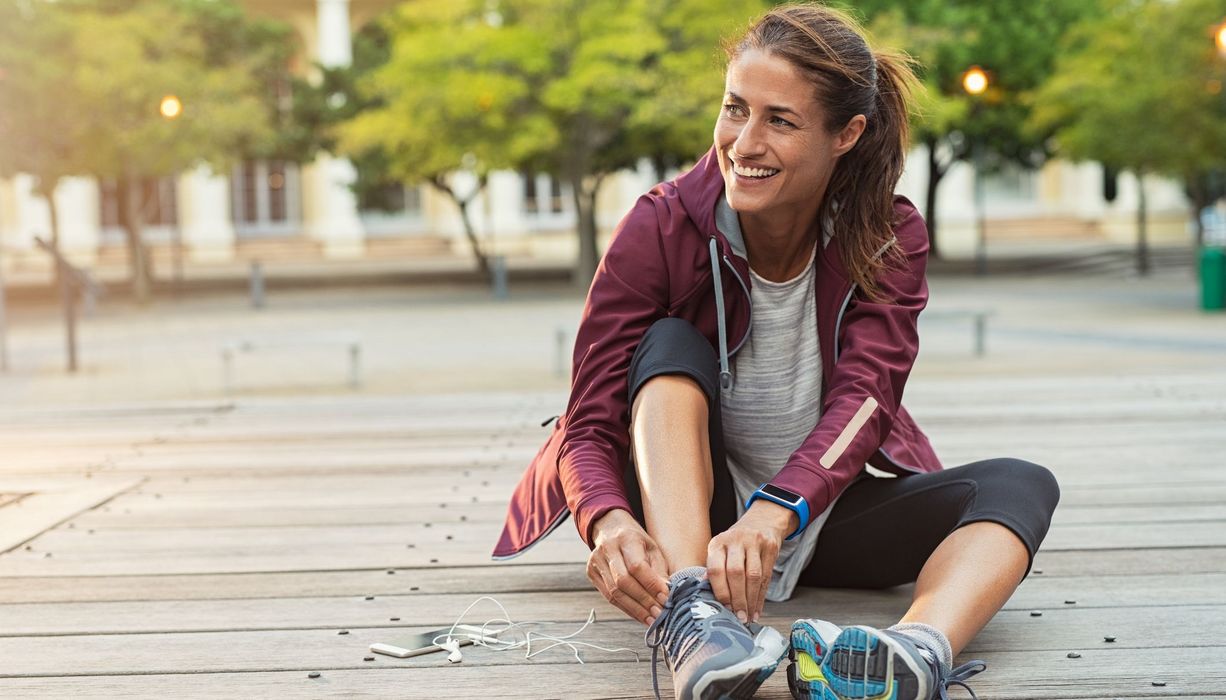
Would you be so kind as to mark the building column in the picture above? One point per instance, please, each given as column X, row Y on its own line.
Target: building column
column 330, row 211
column 204, row 215
column 80, row 218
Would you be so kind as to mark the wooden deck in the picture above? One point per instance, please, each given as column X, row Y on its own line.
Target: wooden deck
column 234, row 549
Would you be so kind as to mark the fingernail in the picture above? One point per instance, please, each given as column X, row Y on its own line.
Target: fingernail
column 755, row 617
column 740, row 615
column 662, row 597
column 650, row 620
column 655, row 611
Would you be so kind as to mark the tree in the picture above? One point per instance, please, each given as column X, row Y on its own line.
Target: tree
column 1016, row 41
column 1141, row 91
column 91, row 78
column 40, row 122
column 577, row 89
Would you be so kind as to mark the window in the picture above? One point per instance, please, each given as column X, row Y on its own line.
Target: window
column 265, row 198
column 544, row 195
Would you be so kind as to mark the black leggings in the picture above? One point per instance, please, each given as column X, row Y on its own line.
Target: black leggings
column 882, row 530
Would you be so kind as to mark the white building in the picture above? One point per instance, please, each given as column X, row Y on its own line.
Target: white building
column 270, row 209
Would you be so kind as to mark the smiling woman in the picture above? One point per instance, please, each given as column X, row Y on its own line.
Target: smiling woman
column 741, row 359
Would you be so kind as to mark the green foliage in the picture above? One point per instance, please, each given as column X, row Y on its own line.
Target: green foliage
column 1142, row 90
column 1015, row 41
column 577, row 88
column 40, row 123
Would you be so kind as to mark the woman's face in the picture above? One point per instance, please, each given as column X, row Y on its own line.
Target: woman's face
column 774, row 149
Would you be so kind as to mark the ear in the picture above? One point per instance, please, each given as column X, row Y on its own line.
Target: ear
column 850, row 134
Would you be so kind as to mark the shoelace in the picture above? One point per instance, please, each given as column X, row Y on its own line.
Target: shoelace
column 673, row 627
column 957, row 676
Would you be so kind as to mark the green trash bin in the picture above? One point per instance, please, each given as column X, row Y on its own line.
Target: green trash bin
column 1212, row 278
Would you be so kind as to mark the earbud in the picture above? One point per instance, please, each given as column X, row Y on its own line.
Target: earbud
column 453, row 646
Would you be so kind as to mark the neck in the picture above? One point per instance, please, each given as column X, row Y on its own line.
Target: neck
column 780, row 243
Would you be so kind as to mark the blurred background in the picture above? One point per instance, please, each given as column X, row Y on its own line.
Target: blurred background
column 187, row 186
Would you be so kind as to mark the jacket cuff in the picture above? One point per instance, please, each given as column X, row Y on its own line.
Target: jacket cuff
column 590, row 509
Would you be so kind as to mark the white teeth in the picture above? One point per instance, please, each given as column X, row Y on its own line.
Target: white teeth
column 753, row 172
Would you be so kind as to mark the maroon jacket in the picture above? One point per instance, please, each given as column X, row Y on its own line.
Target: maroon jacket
column 660, row 263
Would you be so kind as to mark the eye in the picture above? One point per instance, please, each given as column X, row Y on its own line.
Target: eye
column 781, row 121
column 734, row 110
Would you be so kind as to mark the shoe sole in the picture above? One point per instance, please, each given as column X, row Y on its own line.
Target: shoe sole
column 741, row 680
column 806, row 651
column 864, row 664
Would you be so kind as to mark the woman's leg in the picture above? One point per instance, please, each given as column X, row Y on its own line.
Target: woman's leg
column 967, row 580
column 672, row 460
column 965, row 535
column 678, row 482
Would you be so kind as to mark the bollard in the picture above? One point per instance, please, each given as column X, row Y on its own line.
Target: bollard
column 498, row 271
column 257, row 285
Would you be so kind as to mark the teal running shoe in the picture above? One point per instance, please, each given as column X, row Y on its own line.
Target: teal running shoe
column 712, row 655
column 865, row 662
column 811, row 639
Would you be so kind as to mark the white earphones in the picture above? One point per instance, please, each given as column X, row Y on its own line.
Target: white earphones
column 453, row 646
column 451, row 640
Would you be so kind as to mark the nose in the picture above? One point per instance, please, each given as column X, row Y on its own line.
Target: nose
column 749, row 142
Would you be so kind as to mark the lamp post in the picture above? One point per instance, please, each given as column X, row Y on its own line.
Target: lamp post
column 975, row 83
column 171, row 108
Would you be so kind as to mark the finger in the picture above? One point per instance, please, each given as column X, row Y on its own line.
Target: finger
column 717, row 562
column 604, row 583
column 768, row 567
column 658, row 585
column 625, row 575
column 755, row 583
column 735, row 571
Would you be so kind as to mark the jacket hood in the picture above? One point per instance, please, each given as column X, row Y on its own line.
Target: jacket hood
column 699, row 189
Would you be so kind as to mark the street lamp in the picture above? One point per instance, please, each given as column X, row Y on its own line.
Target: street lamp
column 171, row 107
column 975, row 82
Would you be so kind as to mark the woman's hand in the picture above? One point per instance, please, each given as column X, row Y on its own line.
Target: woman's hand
column 627, row 566
column 740, row 559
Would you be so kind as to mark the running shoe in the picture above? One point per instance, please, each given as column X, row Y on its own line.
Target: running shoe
column 712, row 655
column 865, row 662
column 811, row 639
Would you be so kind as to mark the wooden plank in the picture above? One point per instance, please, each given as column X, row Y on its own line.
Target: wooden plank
column 353, row 610
column 30, row 516
column 1052, row 636
column 1057, row 574
column 1010, row 676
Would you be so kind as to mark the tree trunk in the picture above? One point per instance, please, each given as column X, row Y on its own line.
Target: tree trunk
column 935, row 173
column 483, row 262
column 584, row 195
column 1142, row 233
column 132, row 215
column 47, row 191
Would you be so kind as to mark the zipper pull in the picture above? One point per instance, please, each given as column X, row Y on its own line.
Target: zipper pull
column 549, row 420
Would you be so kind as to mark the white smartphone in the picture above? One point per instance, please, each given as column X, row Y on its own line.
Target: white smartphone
column 423, row 642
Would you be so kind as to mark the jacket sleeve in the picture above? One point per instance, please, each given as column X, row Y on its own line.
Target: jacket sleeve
column 878, row 342
column 628, row 294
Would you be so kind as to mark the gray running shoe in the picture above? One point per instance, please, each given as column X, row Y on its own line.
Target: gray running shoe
column 713, row 656
column 865, row 662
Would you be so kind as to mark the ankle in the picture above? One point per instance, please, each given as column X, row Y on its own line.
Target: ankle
column 930, row 637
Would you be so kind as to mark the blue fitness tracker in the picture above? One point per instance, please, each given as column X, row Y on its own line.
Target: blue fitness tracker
column 792, row 501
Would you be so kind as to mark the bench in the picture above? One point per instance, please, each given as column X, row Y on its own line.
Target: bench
column 978, row 318
column 232, row 349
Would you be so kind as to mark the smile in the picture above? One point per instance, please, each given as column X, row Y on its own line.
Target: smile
column 755, row 173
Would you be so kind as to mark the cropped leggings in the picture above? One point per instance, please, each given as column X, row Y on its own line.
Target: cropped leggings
column 882, row 530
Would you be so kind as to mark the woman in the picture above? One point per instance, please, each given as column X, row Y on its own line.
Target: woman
column 742, row 356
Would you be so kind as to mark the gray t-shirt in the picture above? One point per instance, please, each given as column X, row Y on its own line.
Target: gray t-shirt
column 775, row 401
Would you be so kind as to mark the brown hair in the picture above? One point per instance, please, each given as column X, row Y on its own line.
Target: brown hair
column 849, row 78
